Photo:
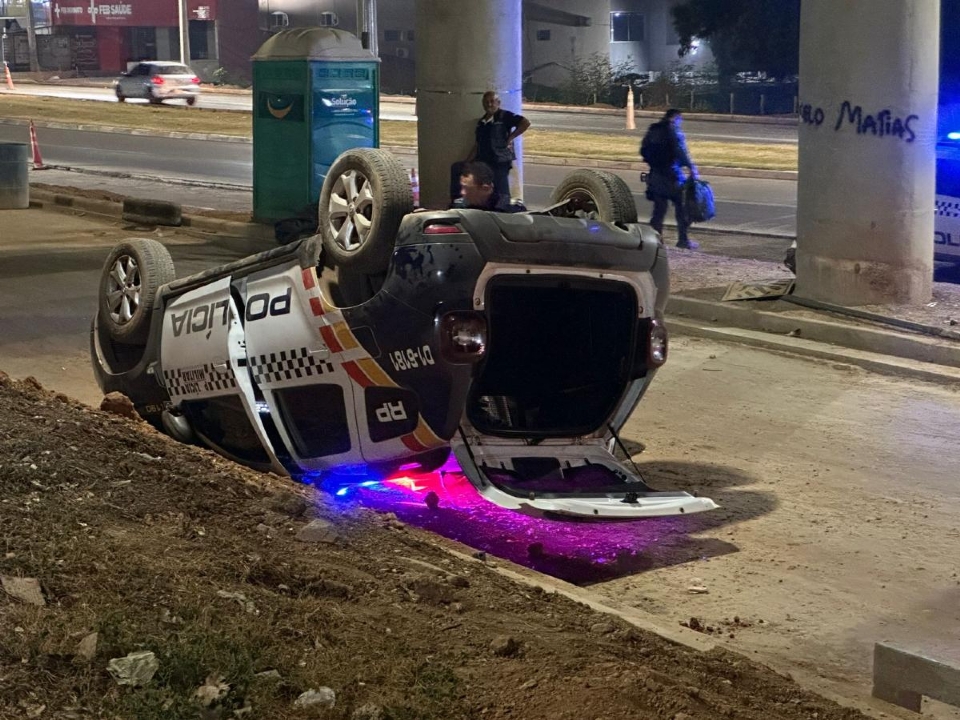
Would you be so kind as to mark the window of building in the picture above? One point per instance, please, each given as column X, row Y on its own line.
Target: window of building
column 409, row 36
column 391, row 36
column 626, row 27
column 543, row 35
column 199, row 35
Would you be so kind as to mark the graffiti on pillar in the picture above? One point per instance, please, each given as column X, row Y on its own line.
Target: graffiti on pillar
column 812, row 115
column 881, row 124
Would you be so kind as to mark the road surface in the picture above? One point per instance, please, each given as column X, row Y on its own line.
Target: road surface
column 743, row 204
column 545, row 119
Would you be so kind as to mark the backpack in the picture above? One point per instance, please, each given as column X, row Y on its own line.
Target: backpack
column 657, row 148
column 698, row 200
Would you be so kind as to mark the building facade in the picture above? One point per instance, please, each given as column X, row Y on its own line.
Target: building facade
column 556, row 33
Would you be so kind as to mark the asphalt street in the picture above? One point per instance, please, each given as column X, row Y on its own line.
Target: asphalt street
column 404, row 109
column 743, row 204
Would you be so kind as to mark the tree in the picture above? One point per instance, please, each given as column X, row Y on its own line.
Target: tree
column 592, row 78
column 744, row 35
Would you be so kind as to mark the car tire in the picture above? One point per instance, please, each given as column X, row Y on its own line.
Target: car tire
column 129, row 282
column 191, row 101
column 598, row 195
column 120, row 96
column 365, row 196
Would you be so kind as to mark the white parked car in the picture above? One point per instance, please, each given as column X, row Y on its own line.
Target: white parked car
column 159, row 80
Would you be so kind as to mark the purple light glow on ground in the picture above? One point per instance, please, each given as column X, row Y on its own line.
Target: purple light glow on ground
column 580, row 552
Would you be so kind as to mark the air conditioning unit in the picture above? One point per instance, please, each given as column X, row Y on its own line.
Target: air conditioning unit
column 329, row 19
column 279, row 20
column 403, row 53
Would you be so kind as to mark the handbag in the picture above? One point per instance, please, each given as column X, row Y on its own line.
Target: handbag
column 698, row 200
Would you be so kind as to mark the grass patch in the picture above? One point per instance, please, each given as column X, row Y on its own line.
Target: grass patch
column 547, row 143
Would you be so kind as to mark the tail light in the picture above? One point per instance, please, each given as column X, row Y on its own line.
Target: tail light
column 441, row 229
column 195, row 80
column 657, row 344
column 463, row 337
column 156, row 80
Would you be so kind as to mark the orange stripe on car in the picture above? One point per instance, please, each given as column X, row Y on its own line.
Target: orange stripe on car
column 413, row 444
column 345, row 336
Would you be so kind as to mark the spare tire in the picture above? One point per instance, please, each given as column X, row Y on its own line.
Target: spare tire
column 131, row 277
column 598, row 195
column 365, row 195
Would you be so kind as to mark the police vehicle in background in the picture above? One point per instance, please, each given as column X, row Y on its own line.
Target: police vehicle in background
column 947, row 220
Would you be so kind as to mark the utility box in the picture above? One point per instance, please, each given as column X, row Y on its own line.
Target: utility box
column 316, row 94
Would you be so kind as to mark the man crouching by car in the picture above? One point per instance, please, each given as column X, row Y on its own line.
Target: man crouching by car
column 476, row 191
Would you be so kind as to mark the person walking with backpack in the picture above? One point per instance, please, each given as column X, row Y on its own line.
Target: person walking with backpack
column 664, row 149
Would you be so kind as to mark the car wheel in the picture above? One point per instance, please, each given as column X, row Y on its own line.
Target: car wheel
column 365, row 195
column 597, row 195
column 191, row 101
column 120, row 96
column 129, row 282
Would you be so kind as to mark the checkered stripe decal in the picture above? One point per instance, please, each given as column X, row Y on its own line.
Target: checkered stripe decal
column 204, row 378
column 287, row 365
column 948, row 208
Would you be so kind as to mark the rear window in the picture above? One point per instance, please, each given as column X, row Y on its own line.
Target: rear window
column 174, row 70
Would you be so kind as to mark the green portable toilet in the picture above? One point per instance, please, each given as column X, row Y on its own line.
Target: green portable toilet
column 316, row 93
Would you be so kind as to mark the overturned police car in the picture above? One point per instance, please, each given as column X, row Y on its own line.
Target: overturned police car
column 521, row 341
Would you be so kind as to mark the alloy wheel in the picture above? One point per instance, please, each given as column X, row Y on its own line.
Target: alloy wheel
column 123, row 289
column 350, row 210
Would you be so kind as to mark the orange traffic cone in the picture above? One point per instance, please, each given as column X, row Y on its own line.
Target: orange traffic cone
column 415, row 187
column 35, row 146
column 6, row 71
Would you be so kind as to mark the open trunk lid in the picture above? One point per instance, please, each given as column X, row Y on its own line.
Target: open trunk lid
column 565, row 479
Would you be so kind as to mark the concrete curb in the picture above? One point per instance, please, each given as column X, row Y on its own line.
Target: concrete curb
column 633, row 165
column 720, row 317
column 197, row 224
column 874, row 362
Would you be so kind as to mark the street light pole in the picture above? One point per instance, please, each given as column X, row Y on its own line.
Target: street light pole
column 184, row 32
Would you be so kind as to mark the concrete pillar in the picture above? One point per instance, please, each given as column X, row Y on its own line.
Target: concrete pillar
column 868, row 119
column 463, row 50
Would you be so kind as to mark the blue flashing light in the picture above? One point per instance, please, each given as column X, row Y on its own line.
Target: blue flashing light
column 953, row 136
column 342, row 491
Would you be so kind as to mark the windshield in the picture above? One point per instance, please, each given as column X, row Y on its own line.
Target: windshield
column 174, row 70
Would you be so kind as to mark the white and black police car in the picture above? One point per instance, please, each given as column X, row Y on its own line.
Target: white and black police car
column 521, row 341
column 946, row 236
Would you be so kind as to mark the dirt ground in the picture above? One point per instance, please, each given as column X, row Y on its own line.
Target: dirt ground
column 154, row 546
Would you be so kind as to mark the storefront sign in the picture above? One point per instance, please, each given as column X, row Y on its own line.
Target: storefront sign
column 158, row 13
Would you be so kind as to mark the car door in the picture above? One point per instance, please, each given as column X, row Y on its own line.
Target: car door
column 203, row 366
column 134, row 84
column 299, row 368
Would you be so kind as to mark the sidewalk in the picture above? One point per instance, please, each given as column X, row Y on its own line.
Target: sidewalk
column 919, row 341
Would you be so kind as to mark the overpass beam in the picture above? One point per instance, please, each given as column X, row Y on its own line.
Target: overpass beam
column 867, row 167
column 463, row 50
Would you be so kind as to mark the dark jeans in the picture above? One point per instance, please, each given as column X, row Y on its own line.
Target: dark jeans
column 501, row 179
column 660, row 205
